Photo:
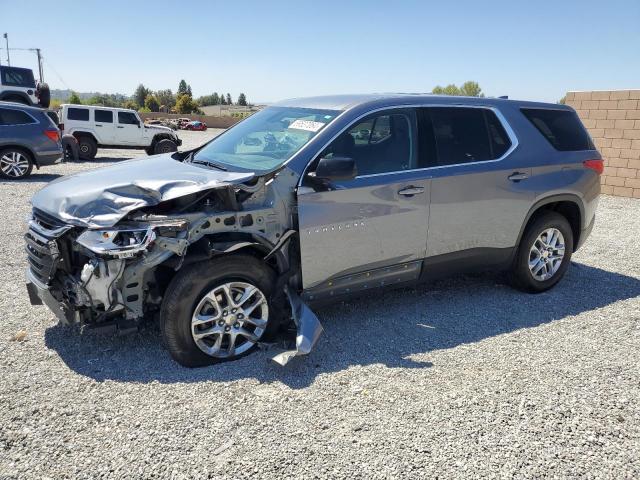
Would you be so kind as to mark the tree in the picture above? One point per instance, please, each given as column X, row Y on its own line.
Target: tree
column 471, row 89
column 130, row 104
column 212, row 99
column 166, row 98
column 563, row 100
column 151, row 102
column 242, row 100
column 189, row 91
column 74, row 99
column 185, row 104
column 229, row 101
column 106, row 100
column 182, row 88
column 222, row 100
column 140, row 94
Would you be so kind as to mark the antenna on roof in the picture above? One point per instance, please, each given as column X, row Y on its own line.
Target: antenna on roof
column 504, row 97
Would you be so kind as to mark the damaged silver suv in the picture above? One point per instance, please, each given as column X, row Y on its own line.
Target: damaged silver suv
column 307, row 201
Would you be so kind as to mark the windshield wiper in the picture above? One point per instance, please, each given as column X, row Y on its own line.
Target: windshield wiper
column 209, row 163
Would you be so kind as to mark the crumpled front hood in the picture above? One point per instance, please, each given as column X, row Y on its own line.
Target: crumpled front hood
column 102, row 197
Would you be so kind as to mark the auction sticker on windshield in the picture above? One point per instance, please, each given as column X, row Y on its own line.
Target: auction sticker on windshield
column 308, row 125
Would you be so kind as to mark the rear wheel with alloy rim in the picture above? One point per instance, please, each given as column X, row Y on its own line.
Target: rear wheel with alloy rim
column 544, row 253
column 15, row 164
column 218, row 310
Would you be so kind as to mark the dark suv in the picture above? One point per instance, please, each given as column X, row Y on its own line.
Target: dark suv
column 28, row 138
column 310, row 200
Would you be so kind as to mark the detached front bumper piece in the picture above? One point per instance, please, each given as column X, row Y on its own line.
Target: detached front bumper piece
column 308, row 329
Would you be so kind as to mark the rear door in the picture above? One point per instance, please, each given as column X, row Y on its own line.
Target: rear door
column 128, row 129
column 480, row 191
column 370, row 230
column 105, row 125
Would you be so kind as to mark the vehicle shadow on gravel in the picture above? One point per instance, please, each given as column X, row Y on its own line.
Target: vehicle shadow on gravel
column 387, row 329
column 101, row 160
column 33, row 178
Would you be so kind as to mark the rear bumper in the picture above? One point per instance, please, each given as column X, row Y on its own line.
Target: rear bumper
column 584, row 234
column 49, row 158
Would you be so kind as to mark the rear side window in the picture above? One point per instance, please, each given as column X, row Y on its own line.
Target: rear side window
column 17, row 77
column 464, row 135
column 562, row 128
column 104, row 116
column 127, row 118
column 78, row 114
column 9, row 116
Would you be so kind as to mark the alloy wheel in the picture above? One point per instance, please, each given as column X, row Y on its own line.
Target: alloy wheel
column 229, row 319
column 14, row 164
column 546, row 254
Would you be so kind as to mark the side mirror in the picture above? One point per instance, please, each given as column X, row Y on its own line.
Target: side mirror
column 336, row 168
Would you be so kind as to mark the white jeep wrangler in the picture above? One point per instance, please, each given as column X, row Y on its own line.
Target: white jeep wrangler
column 95, row 126
column 18, row 85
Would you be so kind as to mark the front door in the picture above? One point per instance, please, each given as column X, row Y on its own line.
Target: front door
column 371, row 230
column 128, row 129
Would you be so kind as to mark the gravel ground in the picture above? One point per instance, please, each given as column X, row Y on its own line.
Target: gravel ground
column 462, row 378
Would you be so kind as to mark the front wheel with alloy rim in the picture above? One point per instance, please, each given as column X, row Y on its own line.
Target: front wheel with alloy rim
column 218, row 310
column 544, row 253
column 15, row 164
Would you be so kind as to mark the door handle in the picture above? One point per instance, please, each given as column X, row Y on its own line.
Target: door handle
column 98, row 125
column 517, row 176
column 411, row 191
column 120, row 126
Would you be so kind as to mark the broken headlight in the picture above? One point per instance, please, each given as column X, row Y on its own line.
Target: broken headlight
column 118, row 242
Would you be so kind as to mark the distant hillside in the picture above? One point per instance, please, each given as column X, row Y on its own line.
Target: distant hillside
column 62, row 95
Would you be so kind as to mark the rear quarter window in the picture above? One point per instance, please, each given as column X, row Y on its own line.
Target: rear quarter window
column 562, row 128
column 9, row 116
column 81, row 114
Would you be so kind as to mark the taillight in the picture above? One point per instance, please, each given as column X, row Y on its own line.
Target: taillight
column 596, row 165
column 52, row 134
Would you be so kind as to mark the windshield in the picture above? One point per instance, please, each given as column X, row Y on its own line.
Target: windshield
column 266, row 139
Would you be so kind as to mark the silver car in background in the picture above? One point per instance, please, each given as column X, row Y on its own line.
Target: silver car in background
column 308, row 201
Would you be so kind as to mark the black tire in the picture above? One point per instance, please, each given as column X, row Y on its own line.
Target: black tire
column 165, row 146
column 44, row 95
column 149, row 151
column 11, row 170
column 188, row 288
column 87, row 146
column 70, row 147
column 522, row 277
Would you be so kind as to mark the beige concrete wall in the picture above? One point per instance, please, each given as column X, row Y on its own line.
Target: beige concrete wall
column 613, row 120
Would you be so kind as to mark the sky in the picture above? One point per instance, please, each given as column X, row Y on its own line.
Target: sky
column 270, row 50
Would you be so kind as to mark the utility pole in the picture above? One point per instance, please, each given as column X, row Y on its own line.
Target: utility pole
column 6, row 37
column 40, row 65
